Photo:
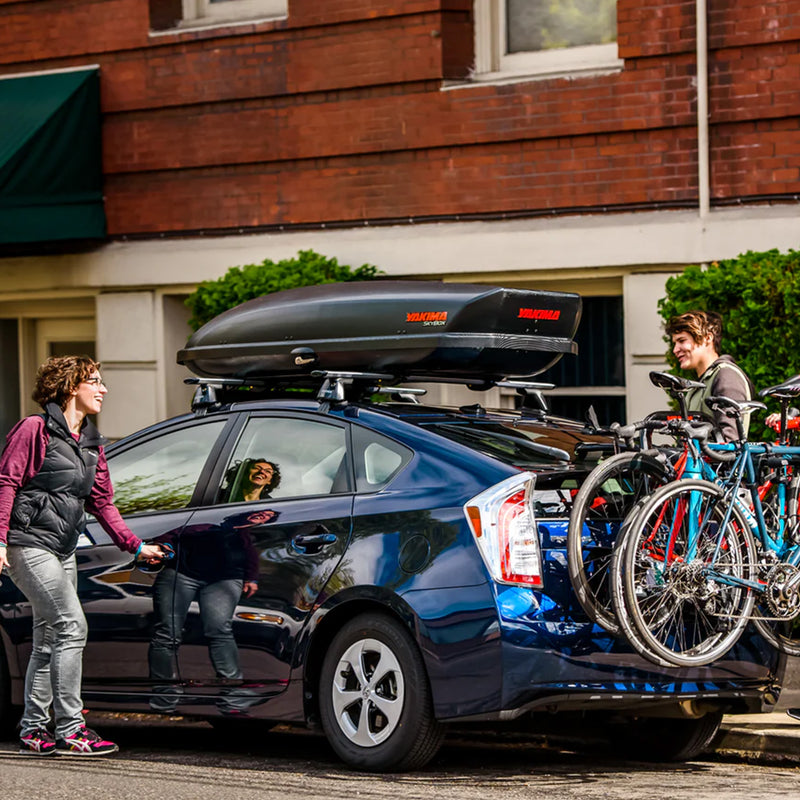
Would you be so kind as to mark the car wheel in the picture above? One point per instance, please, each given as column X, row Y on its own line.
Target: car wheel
column 658, row 740
column 375, row 702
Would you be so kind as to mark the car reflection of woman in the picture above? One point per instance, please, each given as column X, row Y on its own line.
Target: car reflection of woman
column 253, row 479
column 215, row 565
column 53, row 466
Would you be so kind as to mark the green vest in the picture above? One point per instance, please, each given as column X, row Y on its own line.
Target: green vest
column 696, row 399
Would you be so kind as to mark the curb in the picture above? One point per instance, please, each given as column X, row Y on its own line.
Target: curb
column 764, row 742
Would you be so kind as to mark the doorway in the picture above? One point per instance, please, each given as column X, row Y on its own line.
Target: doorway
column 52, row 336
column 64, row 337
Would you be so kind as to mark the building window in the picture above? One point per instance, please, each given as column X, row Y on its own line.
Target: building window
column 218, row 11
column 597, row 376
column 524, row 38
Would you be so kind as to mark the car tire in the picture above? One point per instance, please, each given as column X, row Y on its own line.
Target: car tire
column 375, row 701
column 656, row 739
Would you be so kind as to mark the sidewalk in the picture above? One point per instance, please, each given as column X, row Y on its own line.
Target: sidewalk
column 772, row 738
column 768, row 738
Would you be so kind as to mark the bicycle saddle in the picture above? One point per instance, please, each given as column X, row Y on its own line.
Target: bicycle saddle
column 783, row 391
column 719, row 403
column 673, row 383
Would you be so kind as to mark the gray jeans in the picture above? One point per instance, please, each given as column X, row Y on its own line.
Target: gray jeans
column 173, row 593
column 59, row 636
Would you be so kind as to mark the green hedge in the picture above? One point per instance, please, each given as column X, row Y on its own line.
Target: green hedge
column 254, row 280
column 758, row 296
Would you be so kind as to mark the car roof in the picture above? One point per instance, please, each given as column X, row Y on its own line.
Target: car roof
column 559, row 439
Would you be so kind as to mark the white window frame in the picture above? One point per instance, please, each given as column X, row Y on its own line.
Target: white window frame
column 493, row 63
column 196, row 12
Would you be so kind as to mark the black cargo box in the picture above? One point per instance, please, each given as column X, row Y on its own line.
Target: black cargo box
column 411, row 330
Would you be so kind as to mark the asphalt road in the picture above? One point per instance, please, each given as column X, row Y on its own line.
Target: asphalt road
column 194, row 762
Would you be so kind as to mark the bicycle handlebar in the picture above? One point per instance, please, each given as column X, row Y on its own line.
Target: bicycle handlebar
column 629, row 431
column 701, row 432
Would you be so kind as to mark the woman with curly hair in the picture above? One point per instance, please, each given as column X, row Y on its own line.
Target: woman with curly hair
column 252, row 479
column 52, row 468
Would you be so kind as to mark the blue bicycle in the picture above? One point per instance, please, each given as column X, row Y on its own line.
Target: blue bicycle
column 701, row 558
column 619, row 484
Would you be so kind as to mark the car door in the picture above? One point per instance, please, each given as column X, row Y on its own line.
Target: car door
column 249, row 569
column 155, row 479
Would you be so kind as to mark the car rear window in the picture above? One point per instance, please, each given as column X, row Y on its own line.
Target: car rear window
column 520, row 444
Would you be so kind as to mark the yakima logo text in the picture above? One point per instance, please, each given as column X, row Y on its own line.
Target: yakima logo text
column 427, row 317
column 539, row 313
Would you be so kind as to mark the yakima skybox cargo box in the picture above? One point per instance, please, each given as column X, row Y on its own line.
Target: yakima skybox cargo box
column 411, row 330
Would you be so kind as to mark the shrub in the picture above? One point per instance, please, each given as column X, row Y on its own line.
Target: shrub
column 254, row 280
column 758, row 296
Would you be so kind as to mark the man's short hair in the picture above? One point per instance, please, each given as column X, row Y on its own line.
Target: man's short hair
column 698, row 324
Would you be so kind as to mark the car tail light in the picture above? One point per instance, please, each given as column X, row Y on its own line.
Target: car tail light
column 504, row 527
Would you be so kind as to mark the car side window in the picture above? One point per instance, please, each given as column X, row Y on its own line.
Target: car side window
column 279, row 457
column 377, row 459
column 160, row 474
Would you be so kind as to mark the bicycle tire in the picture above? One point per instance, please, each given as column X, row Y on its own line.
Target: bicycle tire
column 784, row 635
column 675, row 614
column 598, row 513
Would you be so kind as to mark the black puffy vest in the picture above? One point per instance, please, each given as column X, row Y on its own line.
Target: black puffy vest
column 48, row 510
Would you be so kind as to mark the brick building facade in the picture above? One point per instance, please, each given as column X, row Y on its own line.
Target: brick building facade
column 400, row 134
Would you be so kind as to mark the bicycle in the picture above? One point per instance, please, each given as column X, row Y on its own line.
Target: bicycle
column 614, row 488
column 695, row 558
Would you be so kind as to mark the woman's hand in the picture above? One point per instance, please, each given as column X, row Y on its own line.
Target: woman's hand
column 773, row 421
column 152, row 554
column 3, row 558
column 249, row 588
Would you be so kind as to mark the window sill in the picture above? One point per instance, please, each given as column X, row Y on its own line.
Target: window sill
column 571, row 62
column 211, row 27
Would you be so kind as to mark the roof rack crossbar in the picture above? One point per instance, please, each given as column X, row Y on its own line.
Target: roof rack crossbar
column 221, row 382
column 534, row 403
column 395, row 389
column 205, row 395
column 512, row 383
column 369, row 376
column 333, row 383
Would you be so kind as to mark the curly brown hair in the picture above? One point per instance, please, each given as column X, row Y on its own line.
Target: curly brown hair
column 698, row 324
column 59, row 376
column 239, row 469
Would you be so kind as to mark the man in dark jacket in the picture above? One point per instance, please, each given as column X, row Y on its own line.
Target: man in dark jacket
column 696, row 342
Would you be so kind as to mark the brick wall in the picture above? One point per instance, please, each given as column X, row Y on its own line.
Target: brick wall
column 337, row 113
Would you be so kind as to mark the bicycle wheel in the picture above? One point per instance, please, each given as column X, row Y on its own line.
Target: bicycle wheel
column 777, row 614
column 598, row 512
column 783, row 634
column 677, row 576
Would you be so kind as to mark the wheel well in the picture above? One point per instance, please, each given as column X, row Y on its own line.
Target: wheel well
column 322, row 637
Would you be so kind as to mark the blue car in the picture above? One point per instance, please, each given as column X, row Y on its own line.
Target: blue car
column 351, row 558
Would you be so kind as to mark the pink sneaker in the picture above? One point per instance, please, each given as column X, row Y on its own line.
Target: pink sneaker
column 38, row 743
column 85, row 742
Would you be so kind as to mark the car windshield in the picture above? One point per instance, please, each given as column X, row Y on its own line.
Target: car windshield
column 521, row 444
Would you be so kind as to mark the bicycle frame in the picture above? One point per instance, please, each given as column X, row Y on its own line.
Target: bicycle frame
column 742, row 473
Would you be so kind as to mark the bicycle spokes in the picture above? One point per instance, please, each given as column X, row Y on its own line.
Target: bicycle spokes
column 686, row 575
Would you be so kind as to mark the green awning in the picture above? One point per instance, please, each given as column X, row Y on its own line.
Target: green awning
column 51, row 174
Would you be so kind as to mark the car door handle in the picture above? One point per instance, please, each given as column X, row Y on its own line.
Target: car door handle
column 307, row 543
